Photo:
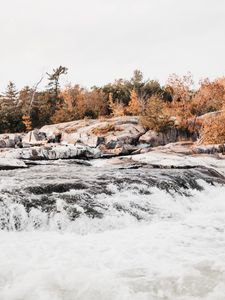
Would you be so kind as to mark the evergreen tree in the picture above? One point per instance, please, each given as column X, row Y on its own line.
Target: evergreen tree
column 10, row 113
column 10, row 99
column 54, row 88
column 137, row 80
column 54, row 79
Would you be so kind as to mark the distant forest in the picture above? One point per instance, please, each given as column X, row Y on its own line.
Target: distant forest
column 176, row 104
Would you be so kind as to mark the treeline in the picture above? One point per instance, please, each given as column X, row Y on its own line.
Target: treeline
column 177, row 103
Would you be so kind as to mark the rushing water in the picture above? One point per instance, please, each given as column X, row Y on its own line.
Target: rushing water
column 72, row 232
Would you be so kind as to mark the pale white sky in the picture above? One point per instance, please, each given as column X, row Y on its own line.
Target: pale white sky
column 100, row 40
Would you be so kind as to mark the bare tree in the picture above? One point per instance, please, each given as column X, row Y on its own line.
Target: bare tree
column 34, row 90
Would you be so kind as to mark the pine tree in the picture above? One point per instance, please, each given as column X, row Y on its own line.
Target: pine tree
column 10, row 113
column 54, row 100
column 10, row 99
column 54, row 79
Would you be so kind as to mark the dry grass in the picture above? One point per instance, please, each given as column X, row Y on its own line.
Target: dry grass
column 104, row 130
column 70, row 130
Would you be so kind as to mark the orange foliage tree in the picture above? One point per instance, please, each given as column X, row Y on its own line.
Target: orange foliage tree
column 210, row 97
column 181, row 89
column 134, row 106
column 117, row 108
column 213, row 130
column 79, row 103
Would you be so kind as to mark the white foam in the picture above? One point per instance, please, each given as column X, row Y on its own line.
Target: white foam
column 176, row 255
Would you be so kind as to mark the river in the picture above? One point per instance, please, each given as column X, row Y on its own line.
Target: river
column 73, row 230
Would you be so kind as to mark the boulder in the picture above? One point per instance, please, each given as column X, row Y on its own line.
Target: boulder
column 155, row 139
column 83, row 137
column 125, row 134
column 34, row 137
column 2, row 144
column 66, row 129
column 10, row 140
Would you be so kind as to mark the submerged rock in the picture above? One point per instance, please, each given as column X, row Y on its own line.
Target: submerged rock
column 112, row 187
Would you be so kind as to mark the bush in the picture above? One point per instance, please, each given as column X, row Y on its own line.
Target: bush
column 213, row 130
column 156, row 116
column 134, row 106
column 209, row 98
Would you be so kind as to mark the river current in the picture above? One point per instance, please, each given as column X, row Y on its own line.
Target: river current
column 71, row 231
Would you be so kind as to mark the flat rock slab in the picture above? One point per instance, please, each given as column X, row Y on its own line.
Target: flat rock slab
column 52, row 152
column 172, row 160
column 9, row 164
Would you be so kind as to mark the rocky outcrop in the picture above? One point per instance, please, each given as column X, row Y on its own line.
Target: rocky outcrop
column 154, row 139
column 112, row 137
column 124, row 130
column 185, row 148
column 10, row 140
column 52, row 152
column 208, row 149
column 89, row 138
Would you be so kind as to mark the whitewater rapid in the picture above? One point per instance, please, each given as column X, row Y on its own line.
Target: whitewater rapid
column 172, row 250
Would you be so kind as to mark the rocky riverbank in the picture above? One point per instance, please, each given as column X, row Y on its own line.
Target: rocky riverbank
column 92, row 139
column 62, row 209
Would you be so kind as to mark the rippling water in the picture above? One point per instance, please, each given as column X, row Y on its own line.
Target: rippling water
column 71, row 232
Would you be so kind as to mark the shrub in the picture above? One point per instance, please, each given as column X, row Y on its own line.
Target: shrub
column 106, row 129
column 156, row 116
column 134, row 106
column 117, row 108
column 27, row 122
column 209, row 98
column 213, row 130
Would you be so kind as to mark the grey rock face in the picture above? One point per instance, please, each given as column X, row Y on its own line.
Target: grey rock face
column 10, row 140
column 95, row 132
column 155, row 139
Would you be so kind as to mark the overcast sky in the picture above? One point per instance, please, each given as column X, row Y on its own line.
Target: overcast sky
column 100, row 40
